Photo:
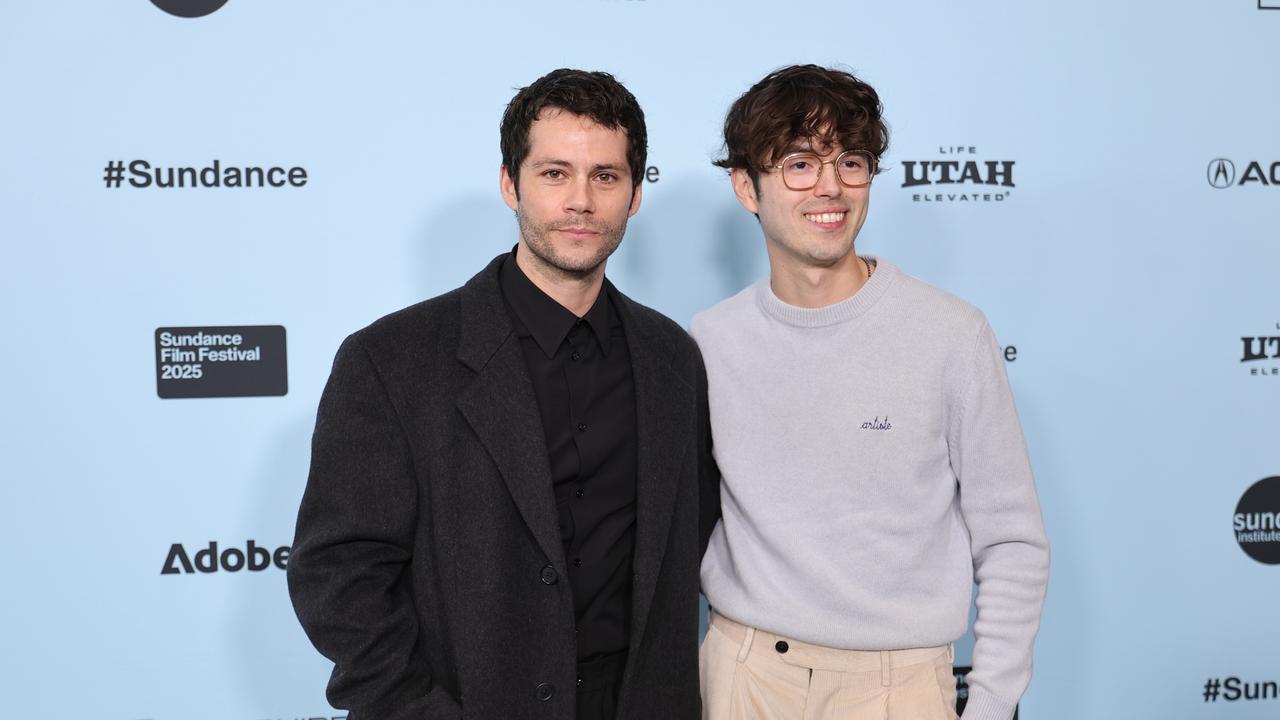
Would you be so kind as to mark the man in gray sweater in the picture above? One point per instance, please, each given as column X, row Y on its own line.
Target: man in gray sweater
column 873, row 465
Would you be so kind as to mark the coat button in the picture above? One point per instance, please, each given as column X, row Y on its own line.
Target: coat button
column 781, row 646
column 546, row 691
column 549, row 577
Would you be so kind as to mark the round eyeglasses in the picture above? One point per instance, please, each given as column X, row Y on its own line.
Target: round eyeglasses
column 802, row 171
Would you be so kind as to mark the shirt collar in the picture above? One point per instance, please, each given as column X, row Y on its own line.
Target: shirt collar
column 547, row 321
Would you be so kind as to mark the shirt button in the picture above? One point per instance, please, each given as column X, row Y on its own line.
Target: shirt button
column 578, row 493
column 577, row 562
column 582, row 427
column 546, row 691
column 781, row 646
column 576, row 355
column 549, row 576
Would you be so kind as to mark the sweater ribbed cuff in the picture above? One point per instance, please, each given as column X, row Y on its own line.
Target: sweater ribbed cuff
column 983, row 705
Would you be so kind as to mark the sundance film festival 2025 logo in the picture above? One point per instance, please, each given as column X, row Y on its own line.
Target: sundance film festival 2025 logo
column 208, row 559
column 1257, row 521
column 221, row 361
column 189, row 8
column 1262, row 353
column 958, row 176
column 1222, row 174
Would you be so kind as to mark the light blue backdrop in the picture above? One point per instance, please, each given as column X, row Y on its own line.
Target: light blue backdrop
column 1124, row 279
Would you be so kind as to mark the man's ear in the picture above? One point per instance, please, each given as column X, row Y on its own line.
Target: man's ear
column 635, row 199
column 508, row 185
column 745, row 189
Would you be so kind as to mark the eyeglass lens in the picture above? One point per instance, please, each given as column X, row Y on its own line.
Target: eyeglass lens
column 801, row 171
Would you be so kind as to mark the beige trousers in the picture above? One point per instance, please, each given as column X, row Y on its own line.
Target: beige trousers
column 749, row 674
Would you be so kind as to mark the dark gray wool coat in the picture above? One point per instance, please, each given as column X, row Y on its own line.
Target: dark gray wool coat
column 427, row 562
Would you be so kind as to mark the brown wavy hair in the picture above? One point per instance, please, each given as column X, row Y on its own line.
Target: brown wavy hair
column 596, row 95
column 824, row 106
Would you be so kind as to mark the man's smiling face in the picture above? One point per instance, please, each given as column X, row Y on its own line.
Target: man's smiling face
column 805, row 228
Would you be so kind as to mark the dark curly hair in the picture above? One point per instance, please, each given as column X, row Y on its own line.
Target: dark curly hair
column 825, row 106
column 596, row 95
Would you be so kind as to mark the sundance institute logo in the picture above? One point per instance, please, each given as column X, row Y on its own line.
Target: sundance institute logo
column 1256, row 522
column 189, row 8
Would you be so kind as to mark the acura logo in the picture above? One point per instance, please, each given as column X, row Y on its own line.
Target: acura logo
column 1221, row 173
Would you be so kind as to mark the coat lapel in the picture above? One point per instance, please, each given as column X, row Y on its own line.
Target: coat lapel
column 501, row 407
column 663, row 398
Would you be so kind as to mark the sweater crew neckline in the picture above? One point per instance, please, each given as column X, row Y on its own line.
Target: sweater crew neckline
column 843, row 311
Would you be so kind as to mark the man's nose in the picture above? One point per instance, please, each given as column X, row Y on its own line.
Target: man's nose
column 828, row 184
column 581, row 197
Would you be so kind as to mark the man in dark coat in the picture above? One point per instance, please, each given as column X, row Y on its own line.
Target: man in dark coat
column 502, row 518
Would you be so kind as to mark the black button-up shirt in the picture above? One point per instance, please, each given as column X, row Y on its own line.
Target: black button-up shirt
column 581, row 371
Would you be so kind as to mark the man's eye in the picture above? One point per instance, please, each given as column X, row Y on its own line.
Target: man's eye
column 799, row 165
column 553, row 175
column 851, row 164
column 606, row 177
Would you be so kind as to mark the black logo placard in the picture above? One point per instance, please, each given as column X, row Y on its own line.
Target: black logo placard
column 189, row 8
column 221, row 361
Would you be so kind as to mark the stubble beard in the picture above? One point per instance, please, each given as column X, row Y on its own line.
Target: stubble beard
column 538, row 238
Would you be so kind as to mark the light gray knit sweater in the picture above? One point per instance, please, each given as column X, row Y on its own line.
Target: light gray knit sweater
column 873, row 470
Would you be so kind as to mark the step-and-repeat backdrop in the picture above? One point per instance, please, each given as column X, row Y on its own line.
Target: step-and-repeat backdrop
column 201, row 198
